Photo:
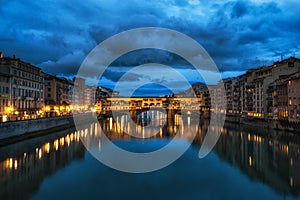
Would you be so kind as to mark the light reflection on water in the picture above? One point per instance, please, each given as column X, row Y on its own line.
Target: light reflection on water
column 268, row 162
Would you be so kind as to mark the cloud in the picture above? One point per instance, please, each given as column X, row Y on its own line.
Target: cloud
column 115, row 75
column 68, row 64
column 237, row 34
column 239, row 10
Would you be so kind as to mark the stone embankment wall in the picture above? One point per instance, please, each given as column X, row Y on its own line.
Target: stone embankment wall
column 284, row 125
column 19, row 128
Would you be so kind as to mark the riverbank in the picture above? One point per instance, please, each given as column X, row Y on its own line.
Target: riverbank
column 12, row 132
column 15, row 131
column 278, row 124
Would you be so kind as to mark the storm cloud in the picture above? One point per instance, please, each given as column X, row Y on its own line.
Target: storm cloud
column 57, row 35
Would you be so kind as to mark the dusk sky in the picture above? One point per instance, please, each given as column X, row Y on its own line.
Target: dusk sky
column 238, row 35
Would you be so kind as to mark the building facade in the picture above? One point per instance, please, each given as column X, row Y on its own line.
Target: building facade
column 253, row 92
column 293, row 90
column 57, row 95
column 23, row 89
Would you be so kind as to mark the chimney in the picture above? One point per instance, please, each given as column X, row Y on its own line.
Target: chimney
column 1, row 54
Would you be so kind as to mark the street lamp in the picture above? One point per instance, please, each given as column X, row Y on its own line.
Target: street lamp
column 8, row 110
column 46, row 110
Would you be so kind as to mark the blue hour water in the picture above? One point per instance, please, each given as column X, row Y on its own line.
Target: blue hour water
column 246, row 163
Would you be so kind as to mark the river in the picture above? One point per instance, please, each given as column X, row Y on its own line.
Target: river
column 246, row 163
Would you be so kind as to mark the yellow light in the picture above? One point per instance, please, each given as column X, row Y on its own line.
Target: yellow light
column 62, row 141
column 40, row 153
column 8, row 109
column 9, row 163
column 4, row 118
column 56, row 145
column 16, row 164
column 250, row 161
column 46, row 147
column 285, row 148
column 68, row 140
column 47, row 108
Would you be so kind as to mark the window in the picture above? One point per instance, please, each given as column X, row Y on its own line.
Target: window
column 298, row 114
column 49, row 95
column 49, row 89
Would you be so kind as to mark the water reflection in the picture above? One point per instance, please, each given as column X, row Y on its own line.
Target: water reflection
column 24, row 165
column 271, row 158
column 162, row 126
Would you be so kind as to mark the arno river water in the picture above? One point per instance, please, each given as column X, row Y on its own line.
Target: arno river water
column 246, row 163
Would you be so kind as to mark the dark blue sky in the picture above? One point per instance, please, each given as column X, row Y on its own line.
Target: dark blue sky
column 57, row 35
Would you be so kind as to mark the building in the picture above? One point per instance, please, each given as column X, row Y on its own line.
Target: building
column 228, row 85
column 281, row 98
column 84, row 96
column 271, row 108
column 103, row 92
column 5, row 97
column 203, row 96
column 256, row 95
column 247, row 93
column 78, row 98
column 22, row 89
column 57, row 95
column 237, row 96
column 293, row 90
column 57, row 90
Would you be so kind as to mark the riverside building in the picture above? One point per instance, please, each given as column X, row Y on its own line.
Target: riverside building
column 22, row 89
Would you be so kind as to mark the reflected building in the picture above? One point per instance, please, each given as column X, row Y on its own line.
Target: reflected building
column 22, row 172
column 273, row 159
column 269, row 158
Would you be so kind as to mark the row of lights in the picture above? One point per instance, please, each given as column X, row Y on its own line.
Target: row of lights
column 12, row 163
